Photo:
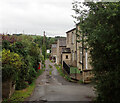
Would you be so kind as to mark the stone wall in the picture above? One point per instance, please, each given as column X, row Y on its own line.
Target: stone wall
column 8, row 89
column 87, row 76
column 68, row 61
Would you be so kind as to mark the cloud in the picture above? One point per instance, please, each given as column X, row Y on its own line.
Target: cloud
column 36, row 16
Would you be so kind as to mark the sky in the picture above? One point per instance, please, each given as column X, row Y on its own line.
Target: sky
column 35, row 16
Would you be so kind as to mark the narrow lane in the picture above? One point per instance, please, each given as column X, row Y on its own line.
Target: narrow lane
column 50, row 86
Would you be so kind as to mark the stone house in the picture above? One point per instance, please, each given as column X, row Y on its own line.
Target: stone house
column 54, row 52
column 83, row 60
column 61, row 43
column 71, row 43
column 74, row 53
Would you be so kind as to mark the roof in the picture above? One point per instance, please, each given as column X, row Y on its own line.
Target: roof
column 62, row 41
column 66, row 50
column 78, row 24
column 54, row 45
column 71, row 30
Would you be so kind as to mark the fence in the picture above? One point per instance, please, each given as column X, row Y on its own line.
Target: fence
column 66, row 67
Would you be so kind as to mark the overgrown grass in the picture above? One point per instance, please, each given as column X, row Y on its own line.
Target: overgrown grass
column 81, row 82
column 21, row 95
column 51, row 61
column 50, row 71
column 50, row 66
column 59, row 68
column 39, row 73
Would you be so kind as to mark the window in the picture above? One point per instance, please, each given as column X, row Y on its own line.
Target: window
column 80, row 56
column 66, row 56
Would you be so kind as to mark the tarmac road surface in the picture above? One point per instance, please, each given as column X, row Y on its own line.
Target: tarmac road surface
column 53, row 87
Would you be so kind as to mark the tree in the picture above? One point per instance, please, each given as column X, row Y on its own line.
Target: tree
column 11, row 64
column 44, row 51
column 101, row 24
column 39, row 40
column 27, row 52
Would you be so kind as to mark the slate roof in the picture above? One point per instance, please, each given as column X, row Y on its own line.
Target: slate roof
column 62, row 41
column 71, row 30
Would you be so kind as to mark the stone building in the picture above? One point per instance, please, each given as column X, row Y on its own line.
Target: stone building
column 54, row 52
column 74, row 53
column 71, row 43
column 83, row 56
column 61, row 43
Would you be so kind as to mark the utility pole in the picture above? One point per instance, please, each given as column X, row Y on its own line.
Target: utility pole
column 44, row 38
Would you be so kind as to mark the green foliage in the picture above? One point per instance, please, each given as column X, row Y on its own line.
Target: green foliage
column 44, row 51
column 59, row 68
column 21, row 60
column 39, row 41
column 5, row 44
column 48, row 41
column 74, row 70
column 101, row 23
column 48, row 55
column 50, row 66
column 11, row 64
column 20, row 95
column 67, row 77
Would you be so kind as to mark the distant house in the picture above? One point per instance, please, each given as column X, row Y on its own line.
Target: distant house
column 61, row 43
column 54, row 52
column 73, row 54
column 76, row 54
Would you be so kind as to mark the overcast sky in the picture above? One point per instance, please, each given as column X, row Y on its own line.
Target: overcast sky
column 36, row 16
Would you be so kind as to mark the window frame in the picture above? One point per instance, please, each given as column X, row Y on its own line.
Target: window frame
column 66, row 57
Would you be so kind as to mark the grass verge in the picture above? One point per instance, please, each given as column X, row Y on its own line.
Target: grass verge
column 59, row 68
column 21, row 95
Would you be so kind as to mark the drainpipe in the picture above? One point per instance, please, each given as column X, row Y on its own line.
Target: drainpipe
column 82, row 52
column 76, row 51
column 76, row 43
column 76, row 46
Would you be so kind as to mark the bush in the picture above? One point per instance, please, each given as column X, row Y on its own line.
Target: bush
column 11, row 63
column 100, row 24
column 21, row 81
column 48, row 55
column 32, row 75
column 20, row 84
column 20, row 59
